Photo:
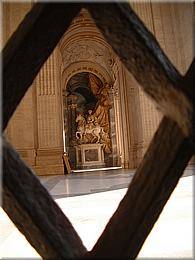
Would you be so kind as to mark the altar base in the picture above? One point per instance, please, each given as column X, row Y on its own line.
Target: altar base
column 89, row 156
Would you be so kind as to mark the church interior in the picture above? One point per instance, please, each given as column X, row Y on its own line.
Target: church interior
column 85, row 115
column 44, row 125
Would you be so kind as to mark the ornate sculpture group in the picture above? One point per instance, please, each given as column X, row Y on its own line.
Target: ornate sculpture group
column 94, row 128
column 88, row 131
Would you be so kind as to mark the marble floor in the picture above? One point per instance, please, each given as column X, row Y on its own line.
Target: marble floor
column 90, row 198
column 83, row 183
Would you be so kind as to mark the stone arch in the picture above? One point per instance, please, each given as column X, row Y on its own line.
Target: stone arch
column 105, row 77
column 85, row 50
column 86, row 66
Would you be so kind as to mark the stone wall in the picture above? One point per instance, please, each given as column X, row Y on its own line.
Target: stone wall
column 35, row 129
column 21, row 128
column 171, row 23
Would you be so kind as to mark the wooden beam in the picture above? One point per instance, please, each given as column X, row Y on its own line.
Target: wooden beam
column 35, row 213
column 141, row 54
column 29, row 47
column 151, row 187
column 188, row 85
column 169, row 151
column 188, row 81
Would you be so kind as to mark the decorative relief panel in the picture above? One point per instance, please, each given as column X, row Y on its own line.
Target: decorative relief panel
column 91, row 155
column 88, row 50
column 84, row 44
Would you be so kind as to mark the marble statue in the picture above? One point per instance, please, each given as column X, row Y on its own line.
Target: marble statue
column 101, row 111
column 95, row 128
column 90, row 120
column 81, row 122
column 88, row 127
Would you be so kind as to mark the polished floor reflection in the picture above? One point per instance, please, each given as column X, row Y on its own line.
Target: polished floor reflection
column 83, row 183
column 89, row 199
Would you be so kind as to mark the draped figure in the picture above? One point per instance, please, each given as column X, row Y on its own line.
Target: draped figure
column 101, row 111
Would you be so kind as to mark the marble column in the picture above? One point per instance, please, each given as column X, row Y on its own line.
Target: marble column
column 116, row 143
column 72, row 127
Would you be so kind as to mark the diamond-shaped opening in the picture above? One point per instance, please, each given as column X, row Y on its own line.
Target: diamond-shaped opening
column 49, row 90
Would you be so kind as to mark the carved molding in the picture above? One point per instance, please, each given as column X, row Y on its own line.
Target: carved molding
column 86, row 66
column 84, row 44
column 82, row 17
column 114, row 89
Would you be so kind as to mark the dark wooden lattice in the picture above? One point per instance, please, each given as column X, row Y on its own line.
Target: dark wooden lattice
column 27, row 202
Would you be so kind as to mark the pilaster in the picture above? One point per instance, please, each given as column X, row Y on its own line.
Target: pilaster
column 49, row 118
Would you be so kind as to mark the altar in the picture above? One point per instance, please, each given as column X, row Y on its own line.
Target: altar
column 90, row 156
column 92, row 141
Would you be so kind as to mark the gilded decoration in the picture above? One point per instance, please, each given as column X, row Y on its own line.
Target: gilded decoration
column 93, row 126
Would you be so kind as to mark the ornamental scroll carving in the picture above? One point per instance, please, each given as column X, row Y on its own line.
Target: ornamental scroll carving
column 90, row 51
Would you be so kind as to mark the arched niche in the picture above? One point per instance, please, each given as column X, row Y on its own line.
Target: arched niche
column 86, row 66
column 83, row 49
column 80, row 96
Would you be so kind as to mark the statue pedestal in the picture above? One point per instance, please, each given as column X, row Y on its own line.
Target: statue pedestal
column 90, row 156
